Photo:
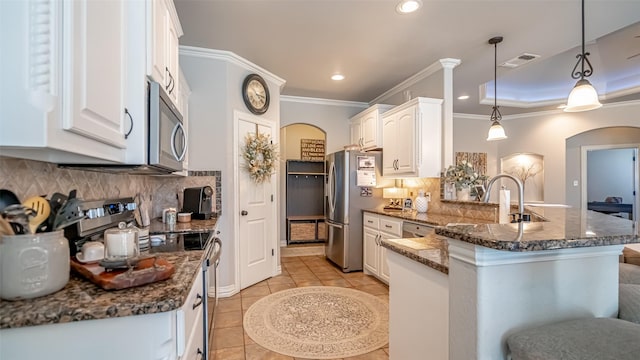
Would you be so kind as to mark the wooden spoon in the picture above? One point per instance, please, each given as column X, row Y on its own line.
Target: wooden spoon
column 5, row 227
column 42, row 208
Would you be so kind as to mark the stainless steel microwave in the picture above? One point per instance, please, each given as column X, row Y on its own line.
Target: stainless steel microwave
column 167, row 136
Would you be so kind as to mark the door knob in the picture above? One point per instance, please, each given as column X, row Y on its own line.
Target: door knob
column 244, row 213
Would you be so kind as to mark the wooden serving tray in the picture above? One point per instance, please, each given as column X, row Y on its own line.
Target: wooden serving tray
column 147, row 270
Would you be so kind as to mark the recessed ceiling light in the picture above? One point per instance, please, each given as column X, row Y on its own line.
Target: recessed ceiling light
column 337, row 77
column 463, row 97
column 408, row 6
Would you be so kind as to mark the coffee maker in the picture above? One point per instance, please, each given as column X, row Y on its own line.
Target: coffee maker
column 199, row 202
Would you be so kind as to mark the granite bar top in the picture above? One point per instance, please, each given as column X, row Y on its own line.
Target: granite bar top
column 82, row 300
column 564, row 228
column 431, row 250
column 428, row 218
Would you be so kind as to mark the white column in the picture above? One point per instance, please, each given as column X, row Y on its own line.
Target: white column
column 494, row 293
column 447, row 111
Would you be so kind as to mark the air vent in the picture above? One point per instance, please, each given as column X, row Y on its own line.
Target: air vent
column 519, row 60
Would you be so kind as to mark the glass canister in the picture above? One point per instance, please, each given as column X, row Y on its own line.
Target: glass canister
column 33, row 265
column 121, row 243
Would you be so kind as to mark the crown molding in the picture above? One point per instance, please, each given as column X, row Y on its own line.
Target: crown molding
column 319, row 101
column 416, row 78
column 233, row 58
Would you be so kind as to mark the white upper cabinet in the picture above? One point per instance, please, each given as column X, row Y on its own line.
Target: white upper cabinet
column 63, row 80
column 412, row 139
column 163, row 34
column 95, row 69
column 366, row 127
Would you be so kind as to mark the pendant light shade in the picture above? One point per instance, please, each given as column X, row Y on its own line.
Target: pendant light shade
column 496, row 131
column 583, row 97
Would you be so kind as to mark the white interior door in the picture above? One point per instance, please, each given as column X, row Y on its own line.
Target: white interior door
column 257, row 218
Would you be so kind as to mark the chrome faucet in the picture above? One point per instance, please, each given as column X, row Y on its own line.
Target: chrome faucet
column 485, row 198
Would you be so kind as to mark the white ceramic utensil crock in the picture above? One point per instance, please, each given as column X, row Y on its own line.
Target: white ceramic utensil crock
column 33, row 265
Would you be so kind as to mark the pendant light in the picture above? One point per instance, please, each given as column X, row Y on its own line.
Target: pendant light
column 583, row 97
column 496, row 132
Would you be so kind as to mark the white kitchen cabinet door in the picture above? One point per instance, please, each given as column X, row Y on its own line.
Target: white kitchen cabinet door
column 371, row 250
column 412, row 139
column 366, row 127
column 157, row 67
column 383, row 266
column 389, row 147
column 405, row 142
column 371, row 134
column 355, row 127
column 94, row 70
column 163, row 52
column 172, row 62
column 375, row 229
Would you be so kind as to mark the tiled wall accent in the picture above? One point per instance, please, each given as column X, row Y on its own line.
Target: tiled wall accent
column 28, row 178
column 470, row 209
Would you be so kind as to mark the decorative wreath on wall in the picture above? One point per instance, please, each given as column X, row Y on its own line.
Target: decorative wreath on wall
column 261, row 157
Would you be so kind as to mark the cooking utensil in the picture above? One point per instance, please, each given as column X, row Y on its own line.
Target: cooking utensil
column 7, row 198
column 68, row 214
column 42, row 210
column 5, row 227
column 18, row 217
column 55, row 203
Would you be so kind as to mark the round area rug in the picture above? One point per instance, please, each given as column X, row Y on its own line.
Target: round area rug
column 319, row 322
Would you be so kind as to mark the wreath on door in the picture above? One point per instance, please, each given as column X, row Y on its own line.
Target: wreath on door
column 261, row 157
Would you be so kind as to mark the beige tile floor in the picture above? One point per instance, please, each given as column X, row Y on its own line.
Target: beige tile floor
column 230, row 342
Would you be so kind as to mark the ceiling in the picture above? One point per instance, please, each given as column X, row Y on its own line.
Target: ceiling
column 307, row 41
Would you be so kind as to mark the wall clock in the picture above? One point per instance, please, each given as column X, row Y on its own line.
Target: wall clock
column 255, row 93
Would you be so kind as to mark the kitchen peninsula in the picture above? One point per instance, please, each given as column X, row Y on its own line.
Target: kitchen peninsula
column 483, row 282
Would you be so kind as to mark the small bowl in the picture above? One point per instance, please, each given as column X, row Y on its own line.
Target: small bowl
column 184, row 217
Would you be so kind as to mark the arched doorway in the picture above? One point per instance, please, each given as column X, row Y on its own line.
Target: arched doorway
column 292, row 138
column 600, row 160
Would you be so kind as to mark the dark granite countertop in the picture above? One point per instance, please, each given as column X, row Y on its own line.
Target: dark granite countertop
column 83, row 300
column 431, row 250
column 564, row 228
column 428, row 218
column 80, row 299
column 195, row 226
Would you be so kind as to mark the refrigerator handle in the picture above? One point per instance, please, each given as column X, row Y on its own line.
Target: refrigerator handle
column 332, row 182
column 333, row 225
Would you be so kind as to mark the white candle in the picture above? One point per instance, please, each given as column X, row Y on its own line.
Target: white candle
column 121, row 244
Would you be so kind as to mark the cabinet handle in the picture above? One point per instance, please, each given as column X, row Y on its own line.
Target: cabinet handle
column 370, row 221
column 388, row 226
column 126, row 112
column 199, row 354
column 198, row 301
column 168, row 74
column 173, row 83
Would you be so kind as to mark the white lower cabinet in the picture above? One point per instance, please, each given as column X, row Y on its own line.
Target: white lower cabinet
column 190, row 338
column 375, row 229
column 170, row 335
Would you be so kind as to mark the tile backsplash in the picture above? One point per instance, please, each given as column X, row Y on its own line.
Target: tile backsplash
column 28, row 178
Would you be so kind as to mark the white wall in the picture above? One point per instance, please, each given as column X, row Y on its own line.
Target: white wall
column 216, row 80
column 330, row 116
column 546, row 134
column 610, row 173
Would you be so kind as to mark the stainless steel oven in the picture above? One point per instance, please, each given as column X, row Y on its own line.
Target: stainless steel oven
column 210, row 287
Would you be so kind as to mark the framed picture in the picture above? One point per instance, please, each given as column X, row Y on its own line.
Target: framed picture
column 479, row 191
column 408, row 204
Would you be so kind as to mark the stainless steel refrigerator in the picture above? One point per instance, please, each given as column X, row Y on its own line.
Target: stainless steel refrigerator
column 345, row 201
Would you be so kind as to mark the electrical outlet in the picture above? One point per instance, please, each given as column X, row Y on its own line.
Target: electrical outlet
column 575, row 182
column 428, row 196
